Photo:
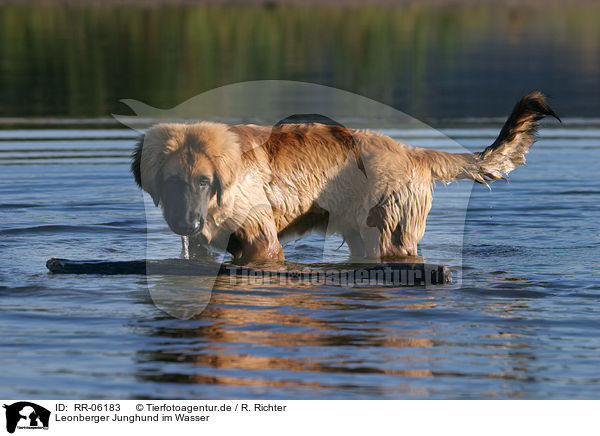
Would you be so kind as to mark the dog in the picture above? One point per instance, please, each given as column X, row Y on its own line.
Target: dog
column 244, row 187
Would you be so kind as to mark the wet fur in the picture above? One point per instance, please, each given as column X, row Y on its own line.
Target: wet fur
column 271, row 182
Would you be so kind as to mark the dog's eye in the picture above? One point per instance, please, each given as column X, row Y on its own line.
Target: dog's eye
column 204, row 181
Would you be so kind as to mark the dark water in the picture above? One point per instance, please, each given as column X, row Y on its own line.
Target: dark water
column 523, row 323
column 430, row 59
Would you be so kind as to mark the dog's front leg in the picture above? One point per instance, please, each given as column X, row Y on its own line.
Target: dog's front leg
column 260, row 245
column 260, row 249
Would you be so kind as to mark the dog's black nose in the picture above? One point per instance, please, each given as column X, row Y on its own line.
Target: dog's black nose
column 184, row 227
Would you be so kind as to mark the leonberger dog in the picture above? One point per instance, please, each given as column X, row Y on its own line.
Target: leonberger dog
column 244, row 187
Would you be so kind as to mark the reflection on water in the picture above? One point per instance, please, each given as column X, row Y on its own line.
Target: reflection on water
column 271, row 331
column 343, row 343
column 523, row 323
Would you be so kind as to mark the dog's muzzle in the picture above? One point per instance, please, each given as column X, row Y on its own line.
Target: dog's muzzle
column 185, row 228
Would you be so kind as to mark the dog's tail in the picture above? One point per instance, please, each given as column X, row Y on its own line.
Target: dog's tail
column 504, row 155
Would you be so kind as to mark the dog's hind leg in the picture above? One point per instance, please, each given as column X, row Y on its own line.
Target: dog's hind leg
column 380, row 245
column 394, row 226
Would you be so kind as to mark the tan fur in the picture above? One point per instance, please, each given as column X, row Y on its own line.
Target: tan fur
column 272, row 181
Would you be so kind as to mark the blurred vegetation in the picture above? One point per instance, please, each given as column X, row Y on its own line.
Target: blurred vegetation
column 430, row 60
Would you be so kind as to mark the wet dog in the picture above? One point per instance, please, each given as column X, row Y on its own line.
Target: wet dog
column 244, row 187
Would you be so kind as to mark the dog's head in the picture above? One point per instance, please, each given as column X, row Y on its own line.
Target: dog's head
column 187, row 169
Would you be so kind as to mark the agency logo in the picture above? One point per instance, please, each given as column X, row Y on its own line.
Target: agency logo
column 26, row 415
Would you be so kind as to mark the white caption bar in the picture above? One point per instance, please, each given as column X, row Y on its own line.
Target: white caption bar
column 150, row 417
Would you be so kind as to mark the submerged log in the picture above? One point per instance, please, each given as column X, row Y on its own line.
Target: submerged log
column 387, row 274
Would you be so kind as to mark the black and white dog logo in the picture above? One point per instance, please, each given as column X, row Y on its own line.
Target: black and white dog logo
column 26, row 415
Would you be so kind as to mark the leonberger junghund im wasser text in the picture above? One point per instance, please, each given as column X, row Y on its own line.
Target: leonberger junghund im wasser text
column 247, row 186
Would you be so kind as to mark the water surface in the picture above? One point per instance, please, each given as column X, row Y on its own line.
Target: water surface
column 522, row 324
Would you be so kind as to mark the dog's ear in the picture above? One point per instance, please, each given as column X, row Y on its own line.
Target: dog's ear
column 226, row 170
column 218, row 189
column 136, row 161
column 136, row 169
column 155, row 196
